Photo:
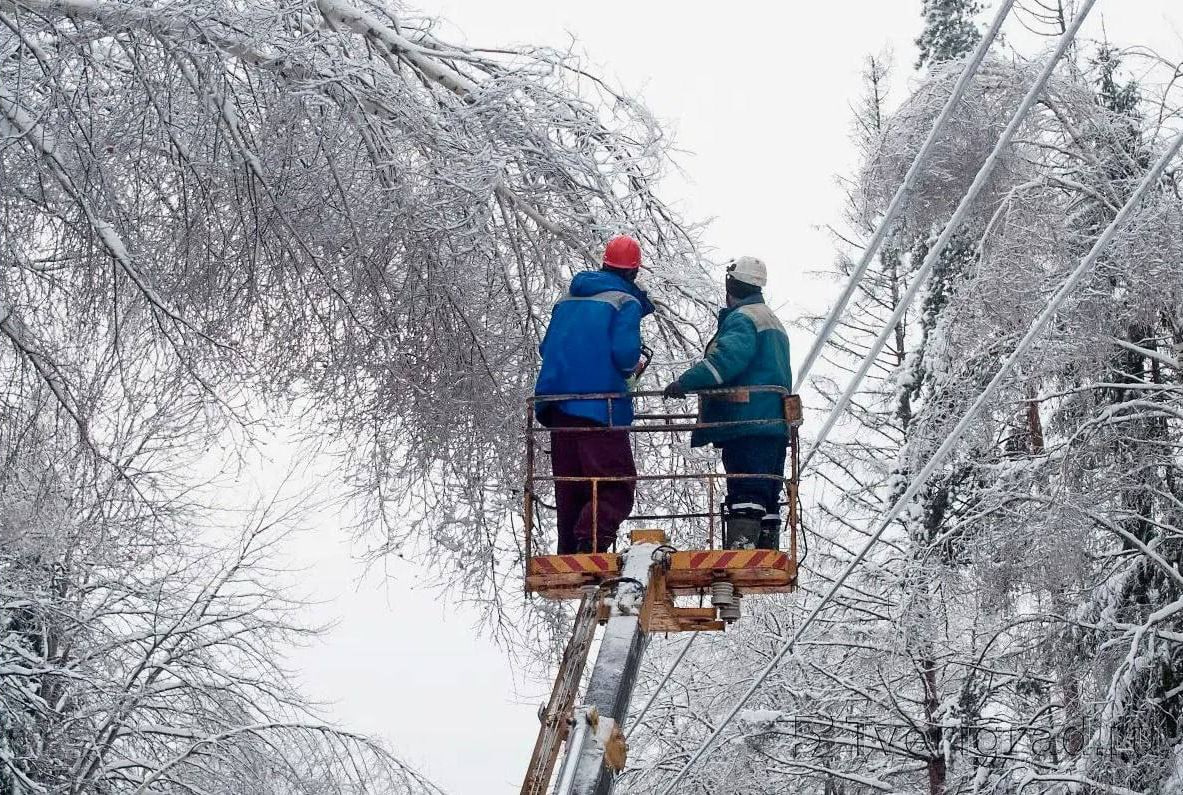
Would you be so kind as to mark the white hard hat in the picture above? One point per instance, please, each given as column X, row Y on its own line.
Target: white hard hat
column 748, row 270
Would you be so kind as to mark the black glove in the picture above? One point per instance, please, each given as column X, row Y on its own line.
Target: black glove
column 674, row 390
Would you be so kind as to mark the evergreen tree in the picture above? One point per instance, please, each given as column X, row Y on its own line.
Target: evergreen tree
column 949, row 30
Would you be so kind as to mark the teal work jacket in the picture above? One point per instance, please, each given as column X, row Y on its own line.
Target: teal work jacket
column 750, row 348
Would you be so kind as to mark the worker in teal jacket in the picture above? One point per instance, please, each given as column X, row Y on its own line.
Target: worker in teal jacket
column 750, row 348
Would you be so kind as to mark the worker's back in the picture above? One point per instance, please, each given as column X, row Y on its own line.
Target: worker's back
column 765, row 350
column 591, row 346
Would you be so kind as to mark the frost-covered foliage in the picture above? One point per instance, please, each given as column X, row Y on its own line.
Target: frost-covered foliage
column 949, row 31
column 1018, row 630
column 211, row 213
column 322, row 200
column 138, row 656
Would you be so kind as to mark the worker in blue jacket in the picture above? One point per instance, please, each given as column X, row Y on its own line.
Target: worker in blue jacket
column 750, row 348
column 593, row 345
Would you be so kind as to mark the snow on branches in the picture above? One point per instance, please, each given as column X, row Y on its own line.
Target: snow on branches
column 322, row 200
column 212, row 212
column 1019, row 629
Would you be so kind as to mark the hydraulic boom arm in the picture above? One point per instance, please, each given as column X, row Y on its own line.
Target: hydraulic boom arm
column 556, row 718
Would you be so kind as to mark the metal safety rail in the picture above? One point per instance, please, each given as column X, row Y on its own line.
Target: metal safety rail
column 671, row 423
column 634, row 593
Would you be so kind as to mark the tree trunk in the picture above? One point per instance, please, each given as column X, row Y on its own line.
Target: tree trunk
column 937, row 772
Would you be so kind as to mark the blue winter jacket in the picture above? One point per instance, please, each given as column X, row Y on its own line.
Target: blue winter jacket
column 592, row 345
column 750, row 348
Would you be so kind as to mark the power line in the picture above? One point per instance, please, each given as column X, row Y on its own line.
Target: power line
column 1035, row 329
column 898, row 201
column 669, row 672
column 904, row 192
column 950, row 230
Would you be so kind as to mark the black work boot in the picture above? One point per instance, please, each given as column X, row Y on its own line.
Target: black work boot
column 769, row 532
column 741, row 529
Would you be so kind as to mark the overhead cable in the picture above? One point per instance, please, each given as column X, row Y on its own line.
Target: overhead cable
column 903, row 193
column 898, row 201
column 1035, row 329
column 951, row 229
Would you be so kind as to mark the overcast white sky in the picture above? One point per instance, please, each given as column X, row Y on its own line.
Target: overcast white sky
column 758, row 96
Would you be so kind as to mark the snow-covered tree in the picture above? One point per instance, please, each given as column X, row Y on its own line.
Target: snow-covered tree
column 138, row 652
column 950, row 31
column 1017, row 628
column 213, row 215
column 323, row 202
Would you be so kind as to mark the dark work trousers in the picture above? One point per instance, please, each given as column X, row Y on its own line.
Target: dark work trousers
column 755, row 455
column 588, row 454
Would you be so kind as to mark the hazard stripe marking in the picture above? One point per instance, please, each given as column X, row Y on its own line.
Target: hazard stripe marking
column 606, row 564
column 737, row 559
column 575, row 564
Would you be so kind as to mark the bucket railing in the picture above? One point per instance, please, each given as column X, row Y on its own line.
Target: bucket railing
column 675, row 423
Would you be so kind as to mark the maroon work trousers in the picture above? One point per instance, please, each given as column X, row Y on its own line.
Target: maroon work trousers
column 590, row 454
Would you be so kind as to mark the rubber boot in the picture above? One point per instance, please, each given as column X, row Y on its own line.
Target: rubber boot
column 769, row 532
column 741, row 530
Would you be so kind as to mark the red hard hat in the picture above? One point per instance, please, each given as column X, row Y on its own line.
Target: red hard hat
column 622, row 252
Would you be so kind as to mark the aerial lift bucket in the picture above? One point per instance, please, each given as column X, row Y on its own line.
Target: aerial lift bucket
column 654, row 574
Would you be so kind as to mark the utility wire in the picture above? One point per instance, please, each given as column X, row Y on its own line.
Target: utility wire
column 903, row 193
column 1036, row 328
column 669, row 672
column 898, row 201
column 951, row 228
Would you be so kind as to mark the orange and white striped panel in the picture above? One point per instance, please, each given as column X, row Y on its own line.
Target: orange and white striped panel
column 731, row 559
column 603, row 565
